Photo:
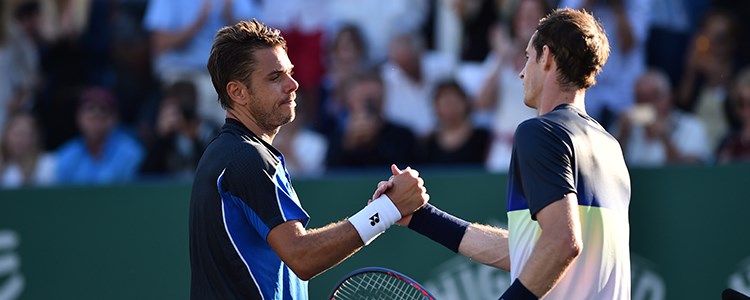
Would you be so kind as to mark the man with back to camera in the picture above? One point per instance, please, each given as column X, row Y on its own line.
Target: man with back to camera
column 568, row 232
column 247, row 227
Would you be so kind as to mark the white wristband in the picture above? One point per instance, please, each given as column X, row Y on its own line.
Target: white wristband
column 375, row 218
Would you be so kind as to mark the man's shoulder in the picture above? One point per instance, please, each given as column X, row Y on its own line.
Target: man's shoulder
column 548, row 129
column 236, row 146
column 232, row 159
column 539, row 125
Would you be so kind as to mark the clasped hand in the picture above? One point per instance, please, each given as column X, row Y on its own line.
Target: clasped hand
column 406, row 189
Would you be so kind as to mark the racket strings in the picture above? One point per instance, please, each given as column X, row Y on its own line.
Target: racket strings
column 377, row 286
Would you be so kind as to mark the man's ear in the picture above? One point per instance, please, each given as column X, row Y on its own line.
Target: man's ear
column 238, row 92
column 547, row 59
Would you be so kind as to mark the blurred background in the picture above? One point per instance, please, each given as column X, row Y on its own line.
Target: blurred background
column 107, row 105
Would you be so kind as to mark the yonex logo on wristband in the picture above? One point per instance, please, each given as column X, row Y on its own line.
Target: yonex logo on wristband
column 375, row 219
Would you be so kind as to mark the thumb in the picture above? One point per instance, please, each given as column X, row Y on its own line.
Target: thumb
column 395, row 170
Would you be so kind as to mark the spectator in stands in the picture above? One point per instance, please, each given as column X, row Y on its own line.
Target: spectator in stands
column 368, row 139
column 346, row 57
column 379, row 21
column 710, row 66
column 75, row 53
column 102, row 153
column 410, row 75
column 456, row 141
column 23, row 161
column 136, row 82
column 741, row 11
column 673, row 22
column 502, row 92
column 304, row 149
column 181, row 35
column 626, row 23
column 736, row 147
column 26, row 26
column 19, row 60
column 7, row 94
column 181, row 134
column 477, row 18
column 655, row 133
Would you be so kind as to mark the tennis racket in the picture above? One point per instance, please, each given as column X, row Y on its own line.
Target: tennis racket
column 375, row 283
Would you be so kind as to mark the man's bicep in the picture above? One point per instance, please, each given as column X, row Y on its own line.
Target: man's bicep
column 561, row 217
column 545, row 164
column 285, row 235
column 256, row 198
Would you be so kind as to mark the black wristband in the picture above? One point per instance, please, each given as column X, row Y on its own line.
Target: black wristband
column 439, row 226
column 517, row 291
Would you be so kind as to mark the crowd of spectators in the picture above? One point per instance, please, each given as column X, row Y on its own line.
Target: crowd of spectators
column 111, row 91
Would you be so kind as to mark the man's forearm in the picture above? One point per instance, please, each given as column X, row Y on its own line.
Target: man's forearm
column 487, row 245
column 312, row 252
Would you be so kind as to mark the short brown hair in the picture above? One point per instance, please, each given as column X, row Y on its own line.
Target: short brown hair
column 232, row 54
column 578, row 43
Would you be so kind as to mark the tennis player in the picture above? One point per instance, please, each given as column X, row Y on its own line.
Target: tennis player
column 247, row 226
column 569, row 188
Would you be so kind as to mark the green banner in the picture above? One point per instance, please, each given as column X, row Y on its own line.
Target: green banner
column 688, row 236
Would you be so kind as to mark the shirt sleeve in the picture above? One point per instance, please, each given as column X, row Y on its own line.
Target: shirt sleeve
column 545, row 159
column 265, row 198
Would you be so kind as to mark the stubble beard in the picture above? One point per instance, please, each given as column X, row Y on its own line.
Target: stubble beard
column 271, row 120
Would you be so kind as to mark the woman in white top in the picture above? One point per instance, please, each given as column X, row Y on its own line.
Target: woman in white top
column 23, row 162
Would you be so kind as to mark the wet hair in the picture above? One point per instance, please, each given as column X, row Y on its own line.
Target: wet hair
column 232, row 54
column 578, row 43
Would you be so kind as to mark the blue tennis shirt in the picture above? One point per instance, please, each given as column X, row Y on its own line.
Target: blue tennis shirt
column 240, row 192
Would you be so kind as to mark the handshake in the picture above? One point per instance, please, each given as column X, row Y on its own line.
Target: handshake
column 394, row 201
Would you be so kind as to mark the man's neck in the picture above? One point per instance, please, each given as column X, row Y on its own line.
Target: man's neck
column 551, row 98
column 252, row 125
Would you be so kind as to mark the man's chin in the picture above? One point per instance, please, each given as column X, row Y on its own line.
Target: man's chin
column 290, row 118
column 529, row 103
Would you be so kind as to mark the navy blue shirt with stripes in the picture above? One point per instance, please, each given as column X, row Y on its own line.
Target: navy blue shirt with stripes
column 240, row 192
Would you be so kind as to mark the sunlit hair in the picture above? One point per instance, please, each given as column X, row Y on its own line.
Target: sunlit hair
column 232, row 54
column 578, row 44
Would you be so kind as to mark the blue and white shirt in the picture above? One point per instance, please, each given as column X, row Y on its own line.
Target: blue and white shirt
column 566, row 151
column 241, row 191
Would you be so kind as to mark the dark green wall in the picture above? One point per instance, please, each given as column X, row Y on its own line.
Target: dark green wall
column 689, row 236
